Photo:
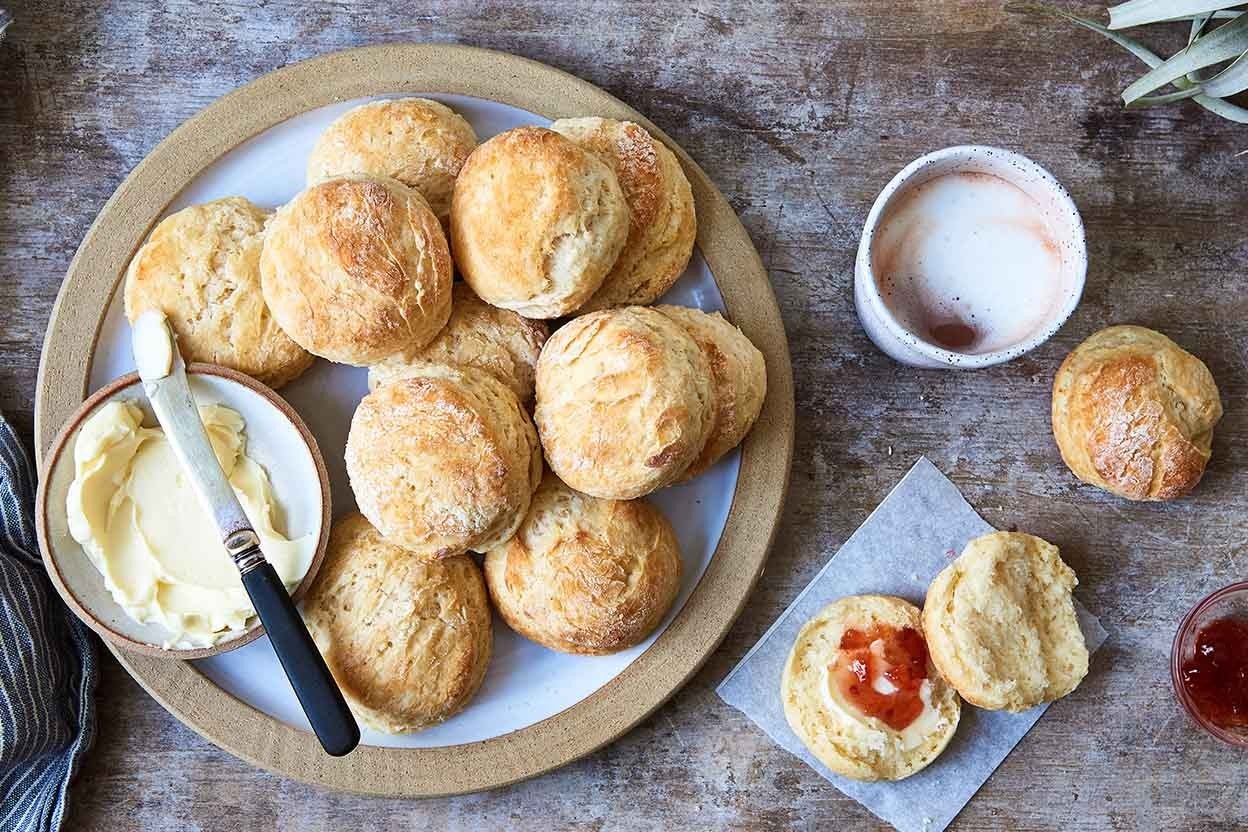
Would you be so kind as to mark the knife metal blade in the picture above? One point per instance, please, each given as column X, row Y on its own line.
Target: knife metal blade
column 178, row 415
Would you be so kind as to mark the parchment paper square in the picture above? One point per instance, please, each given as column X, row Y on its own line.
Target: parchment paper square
column 909, row 537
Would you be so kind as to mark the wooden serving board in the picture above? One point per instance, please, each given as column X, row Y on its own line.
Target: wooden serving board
column 79, row 317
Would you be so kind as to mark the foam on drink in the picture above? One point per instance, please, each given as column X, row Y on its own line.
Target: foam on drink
column 969, row 262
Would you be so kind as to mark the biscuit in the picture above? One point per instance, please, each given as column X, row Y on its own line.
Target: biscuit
column 408, row 640
column 1133, row 413
column 625, row 402
column 739, row 374
column 1001, row 625
column 443, row 460
column 419, row 142
column 536, row 222
column 848, row 646
column 201, row 268
column 499, row 341
column 662, row 224
column 585, row 575
column 356, row 269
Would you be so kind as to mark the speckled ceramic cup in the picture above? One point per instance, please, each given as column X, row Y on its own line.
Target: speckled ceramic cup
column 878, row 296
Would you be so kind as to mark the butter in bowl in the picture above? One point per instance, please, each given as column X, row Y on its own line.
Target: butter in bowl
column 126, row 542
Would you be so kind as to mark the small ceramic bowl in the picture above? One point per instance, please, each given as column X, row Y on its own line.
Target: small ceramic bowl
column 1228, row 601
column 277, row 439
column 884, row 328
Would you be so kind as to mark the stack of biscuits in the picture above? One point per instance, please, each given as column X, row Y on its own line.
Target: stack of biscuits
column 521, row 413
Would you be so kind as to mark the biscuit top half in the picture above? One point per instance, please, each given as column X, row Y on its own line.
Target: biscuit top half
column 1001, row 626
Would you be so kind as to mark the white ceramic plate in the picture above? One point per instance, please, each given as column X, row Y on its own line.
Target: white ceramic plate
column 525, row 683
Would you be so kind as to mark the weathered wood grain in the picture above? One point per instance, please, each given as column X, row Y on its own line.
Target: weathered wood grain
column 800, row 111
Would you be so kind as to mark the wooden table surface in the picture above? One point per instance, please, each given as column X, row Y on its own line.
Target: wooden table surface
column 800, row 111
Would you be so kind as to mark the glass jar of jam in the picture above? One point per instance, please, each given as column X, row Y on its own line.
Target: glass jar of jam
column 1209, row 664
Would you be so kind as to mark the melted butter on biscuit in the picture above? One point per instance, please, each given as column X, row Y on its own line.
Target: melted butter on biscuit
column 137, row 516
column 881, row 735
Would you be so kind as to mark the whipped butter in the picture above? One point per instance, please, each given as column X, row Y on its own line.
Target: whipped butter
column 140, row 522
column 881, row 735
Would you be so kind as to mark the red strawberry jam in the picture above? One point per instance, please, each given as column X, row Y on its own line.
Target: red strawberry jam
column 1216, row 674
column 900, row 659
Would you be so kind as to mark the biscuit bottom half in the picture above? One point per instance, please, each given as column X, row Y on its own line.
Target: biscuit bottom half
column 862, row 695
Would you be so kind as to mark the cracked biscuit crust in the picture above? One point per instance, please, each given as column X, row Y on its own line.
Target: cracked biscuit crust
column 201, row 268
column 584, row 575
column 625, row 402
column 357, row 269
column 443, row 460
column 536, row 222
column 407, row 640
column 1133, row 413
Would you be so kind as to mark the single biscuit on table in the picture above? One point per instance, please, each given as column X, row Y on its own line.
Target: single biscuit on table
column 408, row 640
column 662, row 224
column 536, row 222
column 585, row 575
column 419, row 142
column 357, row 269
column 739, row 374
column 443, row 460
column 1133, row 413
column 861, row 693
column 201, row 268
column 1001, row 625
column 625, row 402
column 499, row 341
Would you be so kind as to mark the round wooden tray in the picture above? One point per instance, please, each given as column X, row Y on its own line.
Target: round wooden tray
column 630, row 697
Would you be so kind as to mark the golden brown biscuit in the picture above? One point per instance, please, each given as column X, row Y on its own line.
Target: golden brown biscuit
column 499, row 341
column 536, row 222
column 356, row 269
column 1001, row 625
column 201, row 268
column 443, row 460
column 739, row 374
column 625, row 402
column 419, row 142
column 408, row 640
column 1133, row 413
column 662, row 224
column 584, row 575
column 840, row 696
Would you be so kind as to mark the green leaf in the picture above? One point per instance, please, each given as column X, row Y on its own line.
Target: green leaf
column 1222, row 44
column 1165, row 98
column 1229, row 81
column 1141, row 12
column 1217, row 106
column 1198, row 29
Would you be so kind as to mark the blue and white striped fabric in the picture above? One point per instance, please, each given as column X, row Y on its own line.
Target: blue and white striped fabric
column 47, row 664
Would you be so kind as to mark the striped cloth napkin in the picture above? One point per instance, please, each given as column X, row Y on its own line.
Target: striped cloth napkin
column 47, row 664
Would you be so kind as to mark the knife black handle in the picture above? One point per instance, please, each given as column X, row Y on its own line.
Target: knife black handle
column 318, row 693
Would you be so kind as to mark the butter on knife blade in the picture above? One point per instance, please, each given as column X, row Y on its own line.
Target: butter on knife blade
column 152, row 344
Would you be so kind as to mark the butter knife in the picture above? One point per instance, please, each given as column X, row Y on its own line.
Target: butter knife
column 164, row 381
